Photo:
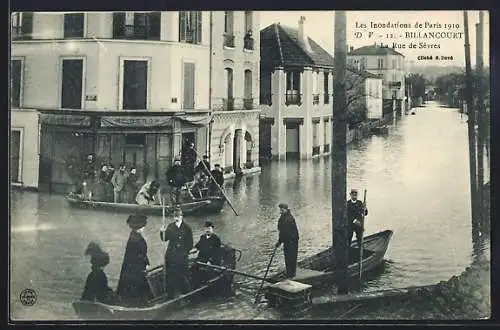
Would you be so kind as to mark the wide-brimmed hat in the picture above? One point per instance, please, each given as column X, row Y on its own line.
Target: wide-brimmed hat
column 283, row 206
column 137, row 221
column 98, row 257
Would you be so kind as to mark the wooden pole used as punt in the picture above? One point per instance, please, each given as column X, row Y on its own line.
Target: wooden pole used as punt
column 225, row 269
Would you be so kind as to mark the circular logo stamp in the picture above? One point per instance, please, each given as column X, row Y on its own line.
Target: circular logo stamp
column 28, row 297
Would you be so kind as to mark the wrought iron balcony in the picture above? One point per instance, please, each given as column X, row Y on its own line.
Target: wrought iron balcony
column 19, row 34
column 229, row 40
column 316, row 150
column 293, row 98
column 248, row 43
column 315, row 98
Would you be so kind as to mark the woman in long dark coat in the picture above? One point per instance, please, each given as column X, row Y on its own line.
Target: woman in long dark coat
column 133, row 288
column 96, row 285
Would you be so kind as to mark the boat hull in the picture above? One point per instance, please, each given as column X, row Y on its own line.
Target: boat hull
column 204, row 206
column 319, row 270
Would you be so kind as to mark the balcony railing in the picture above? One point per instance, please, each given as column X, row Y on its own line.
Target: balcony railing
column 18, row 34
column 228, row 104
column 248, row 43
column 315, row 98
column 292, row 98
column 326, row 148
column 248, row 103
column 316, row 150
column 229, row 40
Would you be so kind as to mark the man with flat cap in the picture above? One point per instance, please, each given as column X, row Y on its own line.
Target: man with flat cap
column 175, row 179
column 208, row 252
column 356, row 212
column 289, row 236
column 133, row 288
column 179, row 236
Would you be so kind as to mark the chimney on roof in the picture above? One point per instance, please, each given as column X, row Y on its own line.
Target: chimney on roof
column 301, row 34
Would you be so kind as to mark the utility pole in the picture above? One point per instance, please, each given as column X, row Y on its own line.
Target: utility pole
column 471, row 121
column 481, row 116
column 339, row 154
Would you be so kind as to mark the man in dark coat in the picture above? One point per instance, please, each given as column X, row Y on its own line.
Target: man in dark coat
column 289, row 236
column 208, row 252
column 188, row 160
column 96, row 285
column 219, row 180
column 356, row 213
column 179, row 236
column 88, row 177
column 175, row 179
column 133, row 288
column 203, row 166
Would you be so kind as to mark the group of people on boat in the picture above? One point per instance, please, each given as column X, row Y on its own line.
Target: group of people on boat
column 185, row 181
column 133, row 288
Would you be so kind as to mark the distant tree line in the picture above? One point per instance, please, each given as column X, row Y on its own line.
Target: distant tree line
column 450, row 88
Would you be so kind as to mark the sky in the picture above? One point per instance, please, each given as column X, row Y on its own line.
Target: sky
column 319, row 27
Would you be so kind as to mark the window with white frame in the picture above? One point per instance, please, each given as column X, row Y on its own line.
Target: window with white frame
column 74, row 25
column 132, row 25
column 16, row 82
column 380, row 63
column 72, row 83
column 135, row 84
column 22, row 25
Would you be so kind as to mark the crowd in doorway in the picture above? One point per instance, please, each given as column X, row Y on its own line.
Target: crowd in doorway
column 186, row 180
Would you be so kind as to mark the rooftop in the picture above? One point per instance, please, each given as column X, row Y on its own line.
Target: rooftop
column 374, row 50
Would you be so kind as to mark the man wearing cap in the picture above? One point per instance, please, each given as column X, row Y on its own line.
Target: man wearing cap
column 289, row 236
column 188, row 159
column 208, row 252
column 355, row 217
column 175, row 180
column 203, row 166
column 219, row 180
column 133, row 288
column 179, row 236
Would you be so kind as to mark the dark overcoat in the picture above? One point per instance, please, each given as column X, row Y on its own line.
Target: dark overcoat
column 96, row 287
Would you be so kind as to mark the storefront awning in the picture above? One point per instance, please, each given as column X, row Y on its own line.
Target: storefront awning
column 65, row 120
column 195, row 119
column 136, row 121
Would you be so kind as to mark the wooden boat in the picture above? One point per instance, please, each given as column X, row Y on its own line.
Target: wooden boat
column 207, row 205
column 380, row 129
column 319, row 270
column 159, row 306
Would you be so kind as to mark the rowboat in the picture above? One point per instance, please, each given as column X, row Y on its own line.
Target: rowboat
column 213, row 204
column 380, row 129
column 159, row 306
column 319, row 270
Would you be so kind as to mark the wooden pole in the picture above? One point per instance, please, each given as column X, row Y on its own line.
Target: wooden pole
column 471, row 121
column 234, row 271
column 481, row 116
column 362, row 236
column 265, row 275
column 339, row 154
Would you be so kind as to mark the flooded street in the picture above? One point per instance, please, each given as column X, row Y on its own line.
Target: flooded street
column 417, row 179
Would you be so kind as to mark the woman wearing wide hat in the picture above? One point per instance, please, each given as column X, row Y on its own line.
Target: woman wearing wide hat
column 133, row 288
column 96, row 286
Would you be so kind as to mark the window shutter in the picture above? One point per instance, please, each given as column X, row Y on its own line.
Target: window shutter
column 154, row 25
column 182, row 26
column 27, row 23
column 198, row 27
column 118, row 25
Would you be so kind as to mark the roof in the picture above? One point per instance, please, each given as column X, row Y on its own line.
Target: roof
column 280, row 46
column 374, row 50
column 364, row 74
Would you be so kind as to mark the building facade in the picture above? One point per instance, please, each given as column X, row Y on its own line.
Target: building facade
column 387, row 63
column 296, row 85
column 126, row 86
column 234, row 141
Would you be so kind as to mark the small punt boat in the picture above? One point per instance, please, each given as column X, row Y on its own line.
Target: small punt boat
column 319, row 270
column 380, row 129
column 207, row 205
column 160, row 306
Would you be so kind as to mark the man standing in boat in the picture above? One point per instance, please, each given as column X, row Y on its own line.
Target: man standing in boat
column 203, row 166
column 289, row 236
column 175, row 180
column 188, row 159
column 355, row 217
column 219, row 180
column 179, row 236
column 118, row 180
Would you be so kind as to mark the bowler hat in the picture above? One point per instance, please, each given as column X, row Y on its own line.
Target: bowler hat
column 209, row 224
column 283, row 206
column 177, row 210
column 137, row 221
column 354, row 191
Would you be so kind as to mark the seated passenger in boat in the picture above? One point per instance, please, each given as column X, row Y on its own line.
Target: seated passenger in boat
column 148, row 194
column 96, row 285
column 208, row 248
column 200, row 187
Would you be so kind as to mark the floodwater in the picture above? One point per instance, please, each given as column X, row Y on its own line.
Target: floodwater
column 417, row 180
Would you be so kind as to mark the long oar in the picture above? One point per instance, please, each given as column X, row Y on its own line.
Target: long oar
column 218, row 186
column 234, row 271
column 265, row 275
column 164, row 226
column 362, row 235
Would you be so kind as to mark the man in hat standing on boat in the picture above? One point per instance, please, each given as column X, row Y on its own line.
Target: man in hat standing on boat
column 188, row 159
column 175, row 180
column 179, row 236
column 133, row 288
column 118, row 180
column 219, row 180
column 355, row 217
column 203, row 166
column 289, row 236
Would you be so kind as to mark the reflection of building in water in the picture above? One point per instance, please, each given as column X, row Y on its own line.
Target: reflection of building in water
column 127, row 86
column 389, row 64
